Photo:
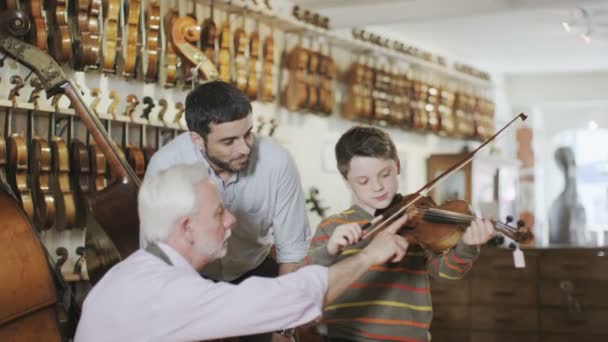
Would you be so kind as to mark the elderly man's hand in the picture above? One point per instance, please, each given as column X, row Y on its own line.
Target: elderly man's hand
column 387, row 245
column 478, row 233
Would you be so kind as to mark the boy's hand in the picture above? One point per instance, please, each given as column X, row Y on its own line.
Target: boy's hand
column 478, row 233
column 344, row 235
column 387, row 245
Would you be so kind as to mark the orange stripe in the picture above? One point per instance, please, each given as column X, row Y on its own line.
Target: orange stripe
column 319, row 238
column 340, row 221
column 378, row 321
column 398, row 269
column 458, row 260
column 389, row 338
column 453, row 267
column 390, row 285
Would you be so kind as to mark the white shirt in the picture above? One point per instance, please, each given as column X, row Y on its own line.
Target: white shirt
column 267, row 200
column 144, row 299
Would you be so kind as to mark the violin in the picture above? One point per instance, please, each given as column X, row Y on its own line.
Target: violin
column 96, row 157
column 241, row 44
column 61, row 38
column 152, row 41
column 208, row 36
column 66, row 215
column 110, row 36
column 327, row 74
column 40, row 168
column 17, row 155
column 296, row 94
column 267, row 91
column 254, row 54
column 312, row 102
column 439, row 227
column 171, row 60
column 89, row 11
column 130, row 46
column 224, row 56
column 37, row 34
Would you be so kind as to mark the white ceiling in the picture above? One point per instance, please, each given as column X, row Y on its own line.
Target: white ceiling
column 505, row 36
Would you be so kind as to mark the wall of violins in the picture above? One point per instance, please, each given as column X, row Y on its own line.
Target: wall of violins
column 135, row 61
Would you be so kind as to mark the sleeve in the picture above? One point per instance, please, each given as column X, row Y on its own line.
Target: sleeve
column 454, row 264
column 257, row 305
column 290, row 220
column 317, row 253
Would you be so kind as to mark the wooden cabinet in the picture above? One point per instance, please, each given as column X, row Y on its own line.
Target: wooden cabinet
column 561, row 296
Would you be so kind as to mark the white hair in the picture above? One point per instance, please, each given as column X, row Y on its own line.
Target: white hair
column 166, row 197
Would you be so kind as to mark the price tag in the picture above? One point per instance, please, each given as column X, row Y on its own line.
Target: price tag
column 518, row 258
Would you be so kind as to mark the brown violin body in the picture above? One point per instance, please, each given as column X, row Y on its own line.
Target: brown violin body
column 240, row 60
column 171, row 59
column 38, row 35
column 425, row 231
column 252, row 73
column 224, row 55
column 296, row 94
column 110, row 35
column 152, row 41
column 440, row 227
column 130, row 48
column 61, row 38
column 267, row 91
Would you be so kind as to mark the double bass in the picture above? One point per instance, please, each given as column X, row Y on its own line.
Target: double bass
column 27, row 292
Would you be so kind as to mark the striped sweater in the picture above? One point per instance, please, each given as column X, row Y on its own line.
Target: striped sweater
column 390, row 302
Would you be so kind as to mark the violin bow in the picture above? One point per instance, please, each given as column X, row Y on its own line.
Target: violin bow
column 381, row 221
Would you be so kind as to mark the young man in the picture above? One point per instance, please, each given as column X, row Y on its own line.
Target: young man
column 256, row 177
column 156, row 294
column 391, row 302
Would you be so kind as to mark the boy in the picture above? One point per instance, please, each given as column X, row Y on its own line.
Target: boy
column 391, row 302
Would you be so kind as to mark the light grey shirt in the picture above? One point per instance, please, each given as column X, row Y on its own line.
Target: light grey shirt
column 267, row 200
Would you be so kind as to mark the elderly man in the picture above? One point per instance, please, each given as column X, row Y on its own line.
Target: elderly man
column 156, row 294
column 257, row 180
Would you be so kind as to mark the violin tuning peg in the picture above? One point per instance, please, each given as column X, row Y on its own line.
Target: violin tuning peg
column 509, row 219
column 521, row 224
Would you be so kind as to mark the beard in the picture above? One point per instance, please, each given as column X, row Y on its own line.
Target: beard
column 231, row 165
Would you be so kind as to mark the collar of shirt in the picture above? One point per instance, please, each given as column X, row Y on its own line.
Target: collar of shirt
column 177, row 259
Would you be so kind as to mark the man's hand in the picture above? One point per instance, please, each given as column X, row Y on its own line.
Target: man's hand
column 343, row 236
column 478, row 233
column 387, row 246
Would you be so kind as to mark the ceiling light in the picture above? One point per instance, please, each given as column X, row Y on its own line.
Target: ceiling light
column 593, row 125
column 586, row 38
column 566, row 26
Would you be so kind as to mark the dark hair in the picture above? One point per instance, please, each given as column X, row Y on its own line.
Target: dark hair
column 214, row 102
column 363, row 141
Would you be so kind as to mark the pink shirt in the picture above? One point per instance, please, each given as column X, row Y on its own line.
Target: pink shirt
column 144, row 299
